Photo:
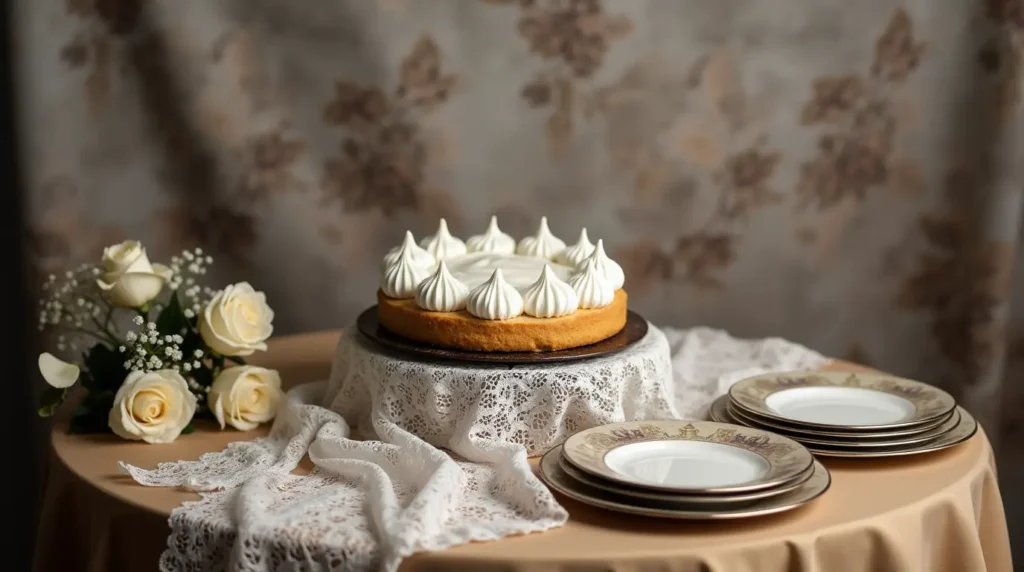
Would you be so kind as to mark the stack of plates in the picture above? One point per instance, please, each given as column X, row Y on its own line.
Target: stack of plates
column 685, row 469
column 842, row 414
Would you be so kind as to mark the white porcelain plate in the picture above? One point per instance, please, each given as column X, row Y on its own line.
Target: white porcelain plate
column 697, row 457
column 840, row 406
column 686, row 464
column 811, row 488
column 855, row 401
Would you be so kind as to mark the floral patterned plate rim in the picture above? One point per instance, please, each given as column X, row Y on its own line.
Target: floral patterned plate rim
column 857, row 401
column 693, row 457
column 947, row 424
column 697, row 500
column 723, row 411
column 965, row 428
column 552, row 474
column 835, row 435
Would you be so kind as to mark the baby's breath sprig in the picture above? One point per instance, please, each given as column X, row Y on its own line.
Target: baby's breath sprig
column 147, row 349
column 72, row 306
column 186, row 268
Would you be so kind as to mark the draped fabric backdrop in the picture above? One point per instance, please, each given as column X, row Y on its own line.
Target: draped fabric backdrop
column 843, row 174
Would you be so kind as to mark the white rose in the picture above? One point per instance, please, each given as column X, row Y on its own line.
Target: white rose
column 237, row 321
column 129, row 280
column 245, row 396
column 152, row 406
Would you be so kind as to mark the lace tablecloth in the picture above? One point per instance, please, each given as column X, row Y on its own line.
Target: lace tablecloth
column 370, row 503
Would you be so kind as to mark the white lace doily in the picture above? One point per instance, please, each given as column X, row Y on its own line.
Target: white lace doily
column 537, row 406
column 368, row 504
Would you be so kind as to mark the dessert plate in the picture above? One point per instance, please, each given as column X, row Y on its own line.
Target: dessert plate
column 799, row 433
column 697, row 500
column 552, row 474
column 965, row 428
column 947, row 425
column 852, row 401
column 369, row 325
column 693, row 457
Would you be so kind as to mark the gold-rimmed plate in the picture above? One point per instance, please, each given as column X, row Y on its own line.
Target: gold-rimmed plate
column 799, row 433
column 945, row 426
column 696, row 500
column 834, row 400
column 552, row 474
column 692, row 457
column 964, row 430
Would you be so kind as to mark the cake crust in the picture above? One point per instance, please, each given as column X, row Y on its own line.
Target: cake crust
column 461, row 330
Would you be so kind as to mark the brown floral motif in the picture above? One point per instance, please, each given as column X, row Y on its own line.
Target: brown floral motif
column 856, row 158
column 1009, row 11
column 704, row 254
column 833, row 99
column 666, row 189
column 228, row 227
column 384, row 156
column 267, row 166
column 75, row 54
column 645, row 264
column 960, row 282
column 573, row 37
column 896, row 52
column 745, row 185
column 120, row 17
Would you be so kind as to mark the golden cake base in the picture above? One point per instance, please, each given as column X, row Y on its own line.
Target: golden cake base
column 461, row 330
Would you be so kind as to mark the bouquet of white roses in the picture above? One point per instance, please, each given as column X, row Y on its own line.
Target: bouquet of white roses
column 164, row 349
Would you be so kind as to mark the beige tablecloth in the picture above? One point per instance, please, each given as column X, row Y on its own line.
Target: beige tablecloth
column 938, row 512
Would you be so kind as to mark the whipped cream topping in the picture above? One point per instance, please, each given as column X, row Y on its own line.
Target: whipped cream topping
column 606, row 267
column 577, row 253
column 543, row 244
column 492, row 240
column 549, row 297
column 591, row 287
column 402, row 279
column 442, row 292
column 475, row 268
column 495, row 299
column 419, row 256
column 442, row 244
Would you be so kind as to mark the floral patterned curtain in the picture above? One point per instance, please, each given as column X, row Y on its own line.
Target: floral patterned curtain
column 843, row 174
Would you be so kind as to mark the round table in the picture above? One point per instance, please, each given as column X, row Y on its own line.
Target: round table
column 935, row 512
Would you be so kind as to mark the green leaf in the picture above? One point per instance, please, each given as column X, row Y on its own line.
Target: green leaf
column 50, row 400
column 106, row 368
column 172, row 319
column 188, row 429
column 236, row 359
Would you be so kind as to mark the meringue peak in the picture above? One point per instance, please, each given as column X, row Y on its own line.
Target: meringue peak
column 401, row 279
column 495, row 299
column 575, row 255
column 442, row 292
column 419, row 256
column 544, row 244
column 593, row 289
column 492, row 240
column 549, row 297
column 442, row 244
column 605, row 266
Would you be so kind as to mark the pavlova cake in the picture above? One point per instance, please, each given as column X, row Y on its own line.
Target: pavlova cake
column 491, row 293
